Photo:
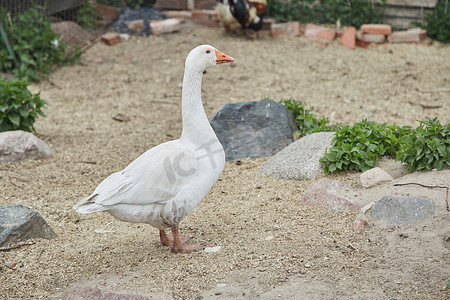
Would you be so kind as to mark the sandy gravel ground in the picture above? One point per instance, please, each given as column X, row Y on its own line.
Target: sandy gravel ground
column 271, row 245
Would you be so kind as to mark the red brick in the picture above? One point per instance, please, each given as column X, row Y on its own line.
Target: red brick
column 319, row 32
column 376, row 29
column 339, row 33
column 348, row 38
column 135, row 26
column 267, row 23
column 106, row 12
column 172, row 4
column 290, row 28
column 208, row 18
column 362, row 44
column 415, row 35
column 165, row 26
column 110, row 38
column 371, row 38
column 180, row 14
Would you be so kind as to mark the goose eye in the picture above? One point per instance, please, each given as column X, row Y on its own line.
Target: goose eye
column 208, row 51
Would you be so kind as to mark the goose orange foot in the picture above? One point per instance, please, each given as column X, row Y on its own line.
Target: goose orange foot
column 178, row 243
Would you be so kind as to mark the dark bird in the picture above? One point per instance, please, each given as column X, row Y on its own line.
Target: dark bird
column 249, row 14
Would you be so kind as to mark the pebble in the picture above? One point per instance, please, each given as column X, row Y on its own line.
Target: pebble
column 213, row 249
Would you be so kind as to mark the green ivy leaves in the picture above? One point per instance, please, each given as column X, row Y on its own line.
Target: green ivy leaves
column 18, row 107
column 31, row 40
column 427, row 147
column 306, row 121
column 358, row 147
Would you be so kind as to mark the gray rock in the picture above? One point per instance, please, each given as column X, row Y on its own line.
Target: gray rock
column 18, row 223
column 300, row 160
column 328, row 194
column 19, row 145
column 253, row 129
column 373, row 177
column 80, row 292
column 400, row 210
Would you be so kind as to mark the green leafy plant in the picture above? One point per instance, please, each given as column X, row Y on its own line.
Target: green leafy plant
column 86, row 15
column 18, row 107
column 352, row 12
column 427, row 147
column 349, row 12
column 306, row 121
column 29, row 47
column 129, row 3
column 437, row 22
column 288, row 10
column 358, row 147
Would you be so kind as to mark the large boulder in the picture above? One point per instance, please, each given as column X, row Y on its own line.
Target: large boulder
column 253, row 129
column 19, row 145
column 18, row 223
column 400, row 210
column 300, row 160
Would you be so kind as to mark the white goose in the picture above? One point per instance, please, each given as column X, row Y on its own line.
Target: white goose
column 165, row 183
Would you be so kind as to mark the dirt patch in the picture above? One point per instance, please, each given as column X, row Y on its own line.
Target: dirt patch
column 270, row 244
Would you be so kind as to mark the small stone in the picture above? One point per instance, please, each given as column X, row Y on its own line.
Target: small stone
column 360, row 223
column 301, row 159
column 110, row 38
column 221, row 285
column 324, row 193
column 20, row 145
column 401, row 210
column 373, row 177
column 213, row 249
column 165, row 26
column 19, row 223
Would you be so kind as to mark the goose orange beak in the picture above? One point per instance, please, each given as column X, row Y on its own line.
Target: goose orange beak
column 222, row 58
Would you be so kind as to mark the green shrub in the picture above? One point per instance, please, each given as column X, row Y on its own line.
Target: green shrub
column 358, row 147
column 349, row 12
column 292, row 10
column 306, row 121
column 29, row 47
column 86, row 15
column 437, row 22
column 427, row 147
column 352, row 12
column 18, row 107
column 129, row 3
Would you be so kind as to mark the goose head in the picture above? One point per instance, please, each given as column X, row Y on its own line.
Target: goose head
column 205, row 56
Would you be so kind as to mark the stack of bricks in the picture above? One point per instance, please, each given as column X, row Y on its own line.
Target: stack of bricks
column 372, row 33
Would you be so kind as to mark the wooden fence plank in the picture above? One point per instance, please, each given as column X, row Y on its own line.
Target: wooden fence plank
column 415, row 3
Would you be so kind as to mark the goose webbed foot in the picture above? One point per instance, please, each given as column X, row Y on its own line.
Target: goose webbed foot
column 178, row 243
column 165, row 241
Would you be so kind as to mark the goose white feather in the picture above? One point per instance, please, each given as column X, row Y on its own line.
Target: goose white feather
column 165, row 183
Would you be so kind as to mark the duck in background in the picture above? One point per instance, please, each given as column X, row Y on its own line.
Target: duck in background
column 246, row 14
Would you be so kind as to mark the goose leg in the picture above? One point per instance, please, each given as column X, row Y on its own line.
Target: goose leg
column 179, row 247
column 166, row 242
